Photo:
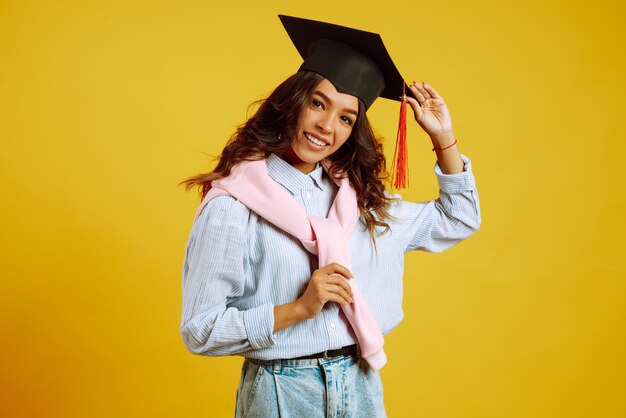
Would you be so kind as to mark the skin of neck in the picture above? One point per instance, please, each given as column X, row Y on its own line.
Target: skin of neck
column 290, row 156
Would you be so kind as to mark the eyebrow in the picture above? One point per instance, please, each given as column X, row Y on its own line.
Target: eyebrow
column 325, row 97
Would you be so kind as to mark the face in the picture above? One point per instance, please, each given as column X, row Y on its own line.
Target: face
column 323, row 125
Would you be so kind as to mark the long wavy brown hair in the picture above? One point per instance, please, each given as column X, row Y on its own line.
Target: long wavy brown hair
column 274, row 125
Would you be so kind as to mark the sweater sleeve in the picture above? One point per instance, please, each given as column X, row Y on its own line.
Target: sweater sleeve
column 437, row 225
column 214, row 277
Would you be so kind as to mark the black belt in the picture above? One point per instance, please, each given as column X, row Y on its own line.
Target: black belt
column 349, row 350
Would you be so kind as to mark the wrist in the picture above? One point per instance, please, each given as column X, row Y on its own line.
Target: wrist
column 298, row 310
column 443, row 139
column 288, row 314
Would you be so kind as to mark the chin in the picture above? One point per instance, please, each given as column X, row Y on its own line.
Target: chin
column 309, row 157
column 303, row 159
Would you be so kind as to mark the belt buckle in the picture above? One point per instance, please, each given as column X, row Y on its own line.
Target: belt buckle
column 325, row 355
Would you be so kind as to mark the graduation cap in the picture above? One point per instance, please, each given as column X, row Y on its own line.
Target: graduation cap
column 357, row 63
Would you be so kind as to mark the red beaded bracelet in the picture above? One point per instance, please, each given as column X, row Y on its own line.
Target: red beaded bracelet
column 449, row 146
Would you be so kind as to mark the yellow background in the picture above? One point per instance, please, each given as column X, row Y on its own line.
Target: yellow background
column 105, row 106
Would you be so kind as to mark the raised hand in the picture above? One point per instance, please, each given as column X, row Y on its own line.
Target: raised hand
column 432, row 114
column 430, row 111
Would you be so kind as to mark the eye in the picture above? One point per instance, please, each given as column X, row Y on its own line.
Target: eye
column 346, row 120
column 317, row 103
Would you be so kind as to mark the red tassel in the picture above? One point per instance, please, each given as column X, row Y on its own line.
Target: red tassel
column 400, row 167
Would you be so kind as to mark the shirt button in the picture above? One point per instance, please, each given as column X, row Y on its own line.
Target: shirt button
column 307, row 195
column 332, row 326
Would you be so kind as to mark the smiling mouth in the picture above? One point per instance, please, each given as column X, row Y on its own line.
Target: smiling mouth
column 315, row 140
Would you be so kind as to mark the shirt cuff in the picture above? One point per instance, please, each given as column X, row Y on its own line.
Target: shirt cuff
column 459, row 182
column 259, row 323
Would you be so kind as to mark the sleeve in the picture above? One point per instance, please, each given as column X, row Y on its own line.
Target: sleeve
column 437, row 225
column 214, row 277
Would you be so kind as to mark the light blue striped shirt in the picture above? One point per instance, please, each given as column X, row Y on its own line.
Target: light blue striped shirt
column 238, row 266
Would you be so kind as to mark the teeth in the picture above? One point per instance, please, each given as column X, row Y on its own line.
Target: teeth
column 315, row 141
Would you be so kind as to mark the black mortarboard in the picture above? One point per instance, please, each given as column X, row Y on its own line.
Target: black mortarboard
column 355, row 61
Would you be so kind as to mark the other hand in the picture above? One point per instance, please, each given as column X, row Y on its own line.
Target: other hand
column 327, row 284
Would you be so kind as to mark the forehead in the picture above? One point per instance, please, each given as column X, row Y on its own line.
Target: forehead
column 336, row 97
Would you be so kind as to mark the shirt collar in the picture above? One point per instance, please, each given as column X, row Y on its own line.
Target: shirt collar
column 290, row 177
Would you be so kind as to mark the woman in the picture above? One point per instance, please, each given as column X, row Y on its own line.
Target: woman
column 296, row 197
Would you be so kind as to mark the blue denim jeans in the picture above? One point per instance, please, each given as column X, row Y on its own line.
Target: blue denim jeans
column 336, row 387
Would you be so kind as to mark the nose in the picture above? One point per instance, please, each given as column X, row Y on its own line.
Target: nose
column 324, row 123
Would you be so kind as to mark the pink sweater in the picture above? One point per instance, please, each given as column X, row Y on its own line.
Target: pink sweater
column 328, row 238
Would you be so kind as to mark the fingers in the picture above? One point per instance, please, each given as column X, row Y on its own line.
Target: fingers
column 339, row 294
column 424, row 91
column 341, row 284
column 422, row 88
column 433, row 93
column 328, row 284
column 336, row 268
column 419, row 93
column 332, row 284
column 417, row 110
